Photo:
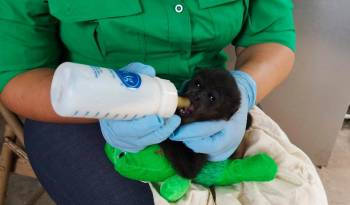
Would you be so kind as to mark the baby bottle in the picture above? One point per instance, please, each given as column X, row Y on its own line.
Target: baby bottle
column 79, row 90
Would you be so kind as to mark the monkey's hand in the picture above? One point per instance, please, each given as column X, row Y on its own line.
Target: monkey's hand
column 219, row 139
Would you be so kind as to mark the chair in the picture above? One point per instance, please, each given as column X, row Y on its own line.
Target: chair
column 13, row 158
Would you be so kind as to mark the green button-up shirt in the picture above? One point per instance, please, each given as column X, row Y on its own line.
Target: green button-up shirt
column 175, row 36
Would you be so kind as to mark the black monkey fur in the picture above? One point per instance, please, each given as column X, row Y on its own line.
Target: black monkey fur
column 214, row 95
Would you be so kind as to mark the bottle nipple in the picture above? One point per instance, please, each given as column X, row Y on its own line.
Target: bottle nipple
column 183, row 102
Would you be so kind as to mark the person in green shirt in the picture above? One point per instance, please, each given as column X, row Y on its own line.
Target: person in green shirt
column 175, row 37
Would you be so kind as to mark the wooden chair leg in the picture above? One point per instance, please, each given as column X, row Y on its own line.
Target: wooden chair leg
column 6, row 161
column 14, row 123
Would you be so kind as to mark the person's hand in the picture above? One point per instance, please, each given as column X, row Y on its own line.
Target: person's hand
column 135, row 135
column 219, row 139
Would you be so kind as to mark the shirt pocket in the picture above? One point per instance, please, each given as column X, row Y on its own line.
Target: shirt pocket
column 213, row 3
column 86, row 28
column 225, row 19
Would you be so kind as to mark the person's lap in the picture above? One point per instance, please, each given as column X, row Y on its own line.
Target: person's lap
column 70, row 163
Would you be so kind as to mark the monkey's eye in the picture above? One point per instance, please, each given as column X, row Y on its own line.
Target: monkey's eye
column 211, row 98
column 197, row 83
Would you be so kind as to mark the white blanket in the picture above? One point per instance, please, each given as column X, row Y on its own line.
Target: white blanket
column 297, row 182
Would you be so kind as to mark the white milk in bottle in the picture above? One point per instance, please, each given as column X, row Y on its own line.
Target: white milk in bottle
column 79, row 90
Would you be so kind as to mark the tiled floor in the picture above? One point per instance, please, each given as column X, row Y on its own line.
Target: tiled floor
column 336, row 177
column 22, row 188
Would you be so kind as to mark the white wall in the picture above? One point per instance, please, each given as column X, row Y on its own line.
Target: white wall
column 311, row 104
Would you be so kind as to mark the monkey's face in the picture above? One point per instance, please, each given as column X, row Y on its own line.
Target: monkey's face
column 214, row 95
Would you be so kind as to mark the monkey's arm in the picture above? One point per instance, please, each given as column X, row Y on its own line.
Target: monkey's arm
column 269, row 64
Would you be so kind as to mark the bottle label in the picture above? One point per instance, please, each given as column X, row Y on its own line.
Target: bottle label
column 129, row 79
column 97, row 71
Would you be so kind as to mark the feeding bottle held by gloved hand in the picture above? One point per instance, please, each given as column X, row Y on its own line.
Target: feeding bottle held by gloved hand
column 79, row 90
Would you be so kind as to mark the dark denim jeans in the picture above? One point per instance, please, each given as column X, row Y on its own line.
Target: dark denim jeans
column 71, row 165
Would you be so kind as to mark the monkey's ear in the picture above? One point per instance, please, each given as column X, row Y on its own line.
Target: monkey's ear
column 184, row 87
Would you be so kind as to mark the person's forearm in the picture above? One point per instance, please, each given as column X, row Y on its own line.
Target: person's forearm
column 28, row 95
column 269, row 64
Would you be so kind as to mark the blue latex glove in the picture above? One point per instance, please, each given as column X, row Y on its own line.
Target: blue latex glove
column 219, row 139
column 135, row 135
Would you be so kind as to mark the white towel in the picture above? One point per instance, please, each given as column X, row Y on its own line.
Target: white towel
column 297, row 182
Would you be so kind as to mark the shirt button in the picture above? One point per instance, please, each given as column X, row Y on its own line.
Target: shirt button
column 179, row 8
